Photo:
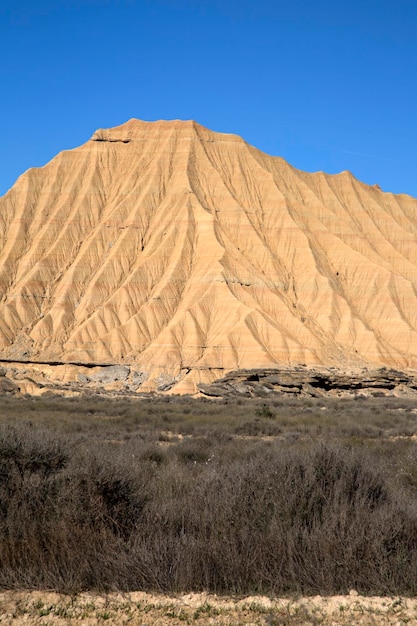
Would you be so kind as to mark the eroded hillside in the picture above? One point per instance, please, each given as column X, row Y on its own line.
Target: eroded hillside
column 187, row 253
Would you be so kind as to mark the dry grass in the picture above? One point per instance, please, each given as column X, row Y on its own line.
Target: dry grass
column 181, row 495
column 334, row 418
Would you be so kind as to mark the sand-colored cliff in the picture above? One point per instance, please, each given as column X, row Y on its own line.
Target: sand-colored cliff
column 187, row 253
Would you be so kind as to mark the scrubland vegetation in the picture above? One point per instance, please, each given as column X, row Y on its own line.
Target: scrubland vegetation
column 240, row 496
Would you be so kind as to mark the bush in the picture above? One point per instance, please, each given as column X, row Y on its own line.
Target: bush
column 221, row 515
column 265, row 411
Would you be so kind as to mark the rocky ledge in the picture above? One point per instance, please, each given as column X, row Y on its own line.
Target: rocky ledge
column 313, row 382
column 20, row 378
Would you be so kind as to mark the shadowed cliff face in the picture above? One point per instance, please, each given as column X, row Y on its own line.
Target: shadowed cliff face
column 189, row 253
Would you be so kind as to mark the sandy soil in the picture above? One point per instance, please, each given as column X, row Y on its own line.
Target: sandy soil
column 142, row 609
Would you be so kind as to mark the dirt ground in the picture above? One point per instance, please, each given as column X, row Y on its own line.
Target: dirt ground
column 143, row 609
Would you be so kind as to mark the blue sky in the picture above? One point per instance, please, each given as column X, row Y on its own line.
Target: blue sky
column 327, row 84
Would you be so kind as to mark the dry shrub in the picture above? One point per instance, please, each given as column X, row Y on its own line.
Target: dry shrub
column 286, row 521
column 223, row 515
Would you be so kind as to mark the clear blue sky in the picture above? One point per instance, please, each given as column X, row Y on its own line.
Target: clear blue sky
column 327, row 84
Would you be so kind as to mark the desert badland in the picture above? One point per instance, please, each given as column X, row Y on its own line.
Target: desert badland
column 183, row 254
column 166, row 257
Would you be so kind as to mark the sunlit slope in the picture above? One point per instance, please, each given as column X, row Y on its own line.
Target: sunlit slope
column 188, row 252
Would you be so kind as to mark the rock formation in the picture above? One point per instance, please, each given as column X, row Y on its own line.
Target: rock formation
column 183, row 254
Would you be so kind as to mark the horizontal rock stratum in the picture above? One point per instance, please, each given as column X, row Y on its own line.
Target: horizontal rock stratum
column 186, row 253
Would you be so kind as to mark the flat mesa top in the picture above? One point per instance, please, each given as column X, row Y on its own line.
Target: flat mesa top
column 135, row 129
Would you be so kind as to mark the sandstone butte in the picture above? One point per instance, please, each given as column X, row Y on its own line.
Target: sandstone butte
column 186, row 253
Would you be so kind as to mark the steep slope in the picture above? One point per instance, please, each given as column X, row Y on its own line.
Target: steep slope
column 189, row 253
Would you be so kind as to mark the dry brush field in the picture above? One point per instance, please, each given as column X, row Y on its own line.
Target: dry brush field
column 173, row 510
